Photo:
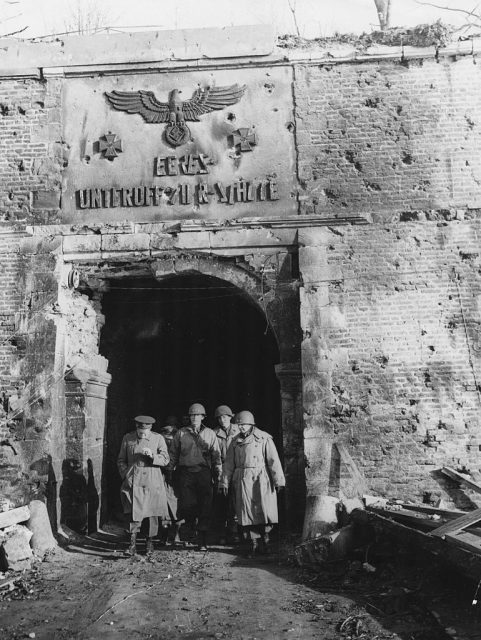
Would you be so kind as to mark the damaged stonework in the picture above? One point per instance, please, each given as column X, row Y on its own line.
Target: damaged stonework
column 369, row 145
column 86, row 382
column 391, row 359
column 29, row 402
column 258, row 264
column 33, row 154
column 52, row 348
column 359, row 273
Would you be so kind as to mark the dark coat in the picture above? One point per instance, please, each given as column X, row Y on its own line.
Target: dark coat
column 193, row 450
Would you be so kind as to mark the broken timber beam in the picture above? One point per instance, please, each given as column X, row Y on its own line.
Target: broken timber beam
column 424, row 508
column 14, row 516
column 460, row 477
column 458, row 556
column 465, row 540
column 454, row 526
column 409, row 518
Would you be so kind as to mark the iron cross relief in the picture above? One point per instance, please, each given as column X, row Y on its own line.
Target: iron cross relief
column 244, row 139
column 110, row 146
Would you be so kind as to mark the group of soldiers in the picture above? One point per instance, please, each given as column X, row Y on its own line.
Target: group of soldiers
column 222, row 480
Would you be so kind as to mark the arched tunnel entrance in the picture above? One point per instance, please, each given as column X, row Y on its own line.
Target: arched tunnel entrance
column 183, row 339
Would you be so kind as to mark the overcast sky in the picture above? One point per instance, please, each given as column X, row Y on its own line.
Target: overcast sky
column 314, row 17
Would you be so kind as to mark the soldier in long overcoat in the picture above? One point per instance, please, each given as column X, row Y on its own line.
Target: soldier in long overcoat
column 253, row 467
column 168, row 431
column 142, row 454
column 223, row 512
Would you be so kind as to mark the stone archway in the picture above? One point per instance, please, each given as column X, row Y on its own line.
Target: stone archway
column 182, row 339
column 276, row 302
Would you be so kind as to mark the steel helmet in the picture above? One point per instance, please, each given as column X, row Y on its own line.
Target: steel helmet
column 223, row 410
column 196, row 408
column 244, row 417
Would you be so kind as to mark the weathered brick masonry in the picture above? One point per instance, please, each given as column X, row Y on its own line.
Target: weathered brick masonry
column 384, row 257
column 30, row 179
column 391, row 344
column 390, row 310
column 387, row 138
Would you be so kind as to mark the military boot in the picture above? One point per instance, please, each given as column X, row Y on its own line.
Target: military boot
column 164, row 535
column 252, row 548
column 149, row 547
column 177, row 526
column 202, row 541
column 264, row 546
column 132, row 550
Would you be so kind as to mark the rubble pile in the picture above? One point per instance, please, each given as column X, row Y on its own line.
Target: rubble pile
column 25, row 533
column 15, row 551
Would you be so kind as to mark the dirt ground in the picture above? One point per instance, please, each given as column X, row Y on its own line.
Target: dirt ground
column 90, row 590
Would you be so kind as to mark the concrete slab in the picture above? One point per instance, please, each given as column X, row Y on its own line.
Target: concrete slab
column 118, row 48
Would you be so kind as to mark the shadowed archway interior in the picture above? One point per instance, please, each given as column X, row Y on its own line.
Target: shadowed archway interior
column 184, row 339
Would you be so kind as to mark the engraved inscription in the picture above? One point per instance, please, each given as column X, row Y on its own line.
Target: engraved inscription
column 239, row 191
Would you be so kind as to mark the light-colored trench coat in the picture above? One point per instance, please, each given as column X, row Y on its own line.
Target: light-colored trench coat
column 143, row 491
column 253, row 467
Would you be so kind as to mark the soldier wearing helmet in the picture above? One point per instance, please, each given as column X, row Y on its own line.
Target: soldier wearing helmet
column 225, row 429
column 195, row 453
column 224, row 520
column 252, row 467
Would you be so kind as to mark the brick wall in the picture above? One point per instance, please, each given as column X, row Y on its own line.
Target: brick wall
column 392, row 353
column 386, row 138
column 28, row 291
column 31, row 157
column 9, row 303
column 389, row 311
column 32, row 152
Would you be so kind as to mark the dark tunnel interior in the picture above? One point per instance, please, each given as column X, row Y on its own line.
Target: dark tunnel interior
column 185, row 339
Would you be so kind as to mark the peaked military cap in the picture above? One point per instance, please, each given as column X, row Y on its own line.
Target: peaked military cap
column 147, row 420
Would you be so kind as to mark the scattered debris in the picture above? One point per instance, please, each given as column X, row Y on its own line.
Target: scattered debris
column 331, row 546
column 437, row 34
column 352, row 624
column 17, row 588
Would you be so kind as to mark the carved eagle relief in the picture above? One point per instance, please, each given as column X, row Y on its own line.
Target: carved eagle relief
column 176, row 111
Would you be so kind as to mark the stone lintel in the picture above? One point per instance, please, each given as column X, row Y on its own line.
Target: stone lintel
column 129, row 242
